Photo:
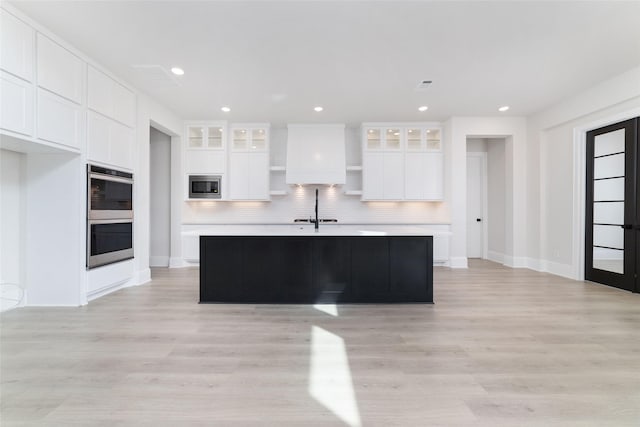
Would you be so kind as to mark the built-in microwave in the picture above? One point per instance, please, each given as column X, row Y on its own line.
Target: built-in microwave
column 205, row 186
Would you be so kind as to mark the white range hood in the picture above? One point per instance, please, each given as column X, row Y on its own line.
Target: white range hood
column 316, row 154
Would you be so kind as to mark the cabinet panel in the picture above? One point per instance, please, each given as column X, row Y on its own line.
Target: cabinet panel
column 223, row 259
column 97, row 137
column 409, row 279
column 414, row 176
column 204, row 162
column 59, row 70
column 393, row 186
column 258, row 176
column 121, row 145
column 59, row 120
column 239, row 176
column 370, row 269
column 110, row 98
column 372, row 176
column 332, row 269
column 16, row 46
column 434, row 177
column 16, row 103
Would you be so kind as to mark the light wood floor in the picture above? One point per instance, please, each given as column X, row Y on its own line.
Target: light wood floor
column 500, row 347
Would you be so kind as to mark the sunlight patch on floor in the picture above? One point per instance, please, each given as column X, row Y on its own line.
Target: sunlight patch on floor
column 331, row 309
column 330, row 377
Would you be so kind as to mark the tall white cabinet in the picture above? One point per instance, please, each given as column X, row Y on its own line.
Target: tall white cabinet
column 249, row 162
column 402, row 162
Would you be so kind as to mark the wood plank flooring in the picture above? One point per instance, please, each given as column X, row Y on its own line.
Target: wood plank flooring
column 500, row 347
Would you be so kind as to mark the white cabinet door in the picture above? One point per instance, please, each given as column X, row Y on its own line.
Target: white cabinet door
column 414, row 176
column 97, row 137
column 434, row 179
column 258, row 176
column 109, row 142
column 59, row 120
column 204, row 162
column 239, row 176
column 16, row 46
column 121, row 145
column 372, row 176
column 110, row 98
column 16, row 105
column 59, row 70
column 393, row 186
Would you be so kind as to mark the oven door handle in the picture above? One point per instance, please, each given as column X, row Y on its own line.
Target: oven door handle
column 110, row 221
column 112, row 178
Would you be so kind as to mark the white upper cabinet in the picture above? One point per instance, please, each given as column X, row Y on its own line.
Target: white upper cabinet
column 402, row 162
column 110, row 98
column 249, row 162
column 209, row 136
column 16, row 104
column 16, row 46
column 59, row 120
column 109, row 142
column 59, row 70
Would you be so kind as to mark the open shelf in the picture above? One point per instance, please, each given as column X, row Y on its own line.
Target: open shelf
column 353, row 193
column 277, row 193
column 277, row 168
column 354, row 168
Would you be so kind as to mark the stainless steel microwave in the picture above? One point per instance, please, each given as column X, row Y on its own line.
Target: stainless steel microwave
column 205, row 186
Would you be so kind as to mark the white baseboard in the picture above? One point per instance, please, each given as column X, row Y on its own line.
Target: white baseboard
column 495, row 256
column 107, row 290
column 564, row 270
column 515, row 261
column 459, row 262
column 534, row 264
column 176, row 262
column 141, row 277
column 158, row 261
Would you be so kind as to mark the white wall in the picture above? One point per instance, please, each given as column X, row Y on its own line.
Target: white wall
column 160, row 199
column 556, row 142
column 12, row 229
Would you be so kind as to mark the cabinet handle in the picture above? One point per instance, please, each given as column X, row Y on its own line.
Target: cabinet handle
column 628, row 227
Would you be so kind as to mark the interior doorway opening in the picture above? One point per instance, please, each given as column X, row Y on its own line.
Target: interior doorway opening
column 159, row 198
column 487, row 198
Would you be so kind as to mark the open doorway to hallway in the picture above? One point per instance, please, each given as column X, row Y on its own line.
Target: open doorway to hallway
column 160, row 199
column 486, row 198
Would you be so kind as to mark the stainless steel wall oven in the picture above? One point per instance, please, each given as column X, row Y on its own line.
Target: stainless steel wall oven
column 109, row 216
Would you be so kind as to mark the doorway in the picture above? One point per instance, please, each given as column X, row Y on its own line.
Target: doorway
column 476, row 204
column 612, row 214
column 159, row 198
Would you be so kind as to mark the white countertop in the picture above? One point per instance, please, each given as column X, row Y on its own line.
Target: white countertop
column 308, row 230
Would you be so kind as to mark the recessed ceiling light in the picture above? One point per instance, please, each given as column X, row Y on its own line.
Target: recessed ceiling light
column 226, row 109
column 503, row 108
column 177, row 71
column 318, row 108
column 423, row 108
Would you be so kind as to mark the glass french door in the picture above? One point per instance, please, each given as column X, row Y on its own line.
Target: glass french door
column 612, row 206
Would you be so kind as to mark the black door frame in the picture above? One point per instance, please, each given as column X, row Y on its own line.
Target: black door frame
column 629, row 280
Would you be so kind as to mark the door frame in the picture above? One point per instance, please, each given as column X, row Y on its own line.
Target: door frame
column 485, row 201
column 580, row 183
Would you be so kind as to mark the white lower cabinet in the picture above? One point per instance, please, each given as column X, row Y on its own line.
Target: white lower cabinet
column 249, row 176
column 59, row 120
column 16, row 108
column 109, row 142
column 382, row 176
column 423, row 176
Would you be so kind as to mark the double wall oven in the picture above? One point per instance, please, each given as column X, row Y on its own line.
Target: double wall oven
column 109, row 216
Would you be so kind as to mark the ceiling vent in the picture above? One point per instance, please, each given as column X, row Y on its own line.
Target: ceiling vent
column 156, row 76
column 424, row 85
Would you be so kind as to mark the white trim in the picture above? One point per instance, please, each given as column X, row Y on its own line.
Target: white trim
column 495, row 257
column 459, row 262
column 158, row 261
column 564, row 270
column 515, row 262
column 485, row 200
column 177, row 262
column 579, row 183
column 97, row 293
column 141, row 277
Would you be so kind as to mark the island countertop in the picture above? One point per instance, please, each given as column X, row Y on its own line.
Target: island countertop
column 309, row 231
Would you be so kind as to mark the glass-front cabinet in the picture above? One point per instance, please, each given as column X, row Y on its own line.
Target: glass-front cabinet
column 383, row 138
column 423, row 139
column 205, row 136
column 249, row 137
column 249, row 161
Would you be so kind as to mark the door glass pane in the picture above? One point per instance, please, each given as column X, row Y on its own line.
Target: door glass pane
column 608, row 201
column 215, row 137
column 433, row 140
column 609, row 143
column 258, row 139
column 393, row 139
column 373, row 139
column 608, row 213
column 240, row 139
column 196, row 136
column 414, row 139
column 608, row 189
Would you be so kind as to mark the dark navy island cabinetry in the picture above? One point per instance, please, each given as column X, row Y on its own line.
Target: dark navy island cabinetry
column 316, row 269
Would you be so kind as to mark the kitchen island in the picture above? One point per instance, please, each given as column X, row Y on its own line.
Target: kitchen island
column 333, row 265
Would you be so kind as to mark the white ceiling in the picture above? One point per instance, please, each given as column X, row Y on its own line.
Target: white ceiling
column 274, row 61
